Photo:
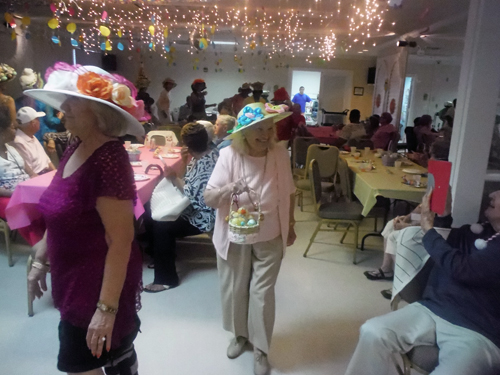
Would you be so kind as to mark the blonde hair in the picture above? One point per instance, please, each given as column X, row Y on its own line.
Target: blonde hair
column 109, row 120
column 227, row 120
column 240, row 143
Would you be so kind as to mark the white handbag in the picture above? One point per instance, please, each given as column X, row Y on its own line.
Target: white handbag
column 167, row 202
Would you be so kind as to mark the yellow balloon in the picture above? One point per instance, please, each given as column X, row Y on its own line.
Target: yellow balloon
column 104, row 31
column 26, row 21
column 53, row 23
column 152, row 30
column 108, row 45
column 8, row 17
column 119, row 33
column 71, row 27
column 165, row 32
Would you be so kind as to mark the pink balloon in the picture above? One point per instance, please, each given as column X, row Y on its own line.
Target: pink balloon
column 53, row 7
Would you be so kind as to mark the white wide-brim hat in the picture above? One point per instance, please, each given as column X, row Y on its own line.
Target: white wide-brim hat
column 254, row 113
column 62, row 84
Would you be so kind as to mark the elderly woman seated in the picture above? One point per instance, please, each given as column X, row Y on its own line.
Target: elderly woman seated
column 13, row 170
column 197, row 218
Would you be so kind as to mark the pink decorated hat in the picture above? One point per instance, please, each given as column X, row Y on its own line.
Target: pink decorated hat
column 92, row 83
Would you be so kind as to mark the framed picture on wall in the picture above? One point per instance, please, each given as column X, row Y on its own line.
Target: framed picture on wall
column 359, row 91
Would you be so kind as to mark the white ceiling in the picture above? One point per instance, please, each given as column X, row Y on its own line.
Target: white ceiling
column 438, row 27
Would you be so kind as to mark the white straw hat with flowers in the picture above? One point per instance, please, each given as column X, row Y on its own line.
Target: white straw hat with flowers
column 254, row 113
column 92, row 83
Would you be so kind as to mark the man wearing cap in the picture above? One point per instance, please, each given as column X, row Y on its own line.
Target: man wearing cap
column 164, row 100
column 256, row 97
column 238, row 99
column 27, row 145
column 301, row 99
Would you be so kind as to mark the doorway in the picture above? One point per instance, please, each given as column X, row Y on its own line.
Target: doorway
column 405, row 105
column 311, row 80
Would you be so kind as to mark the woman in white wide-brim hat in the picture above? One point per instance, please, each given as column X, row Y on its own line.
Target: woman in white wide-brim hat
column 96, row 267
column 248, row 270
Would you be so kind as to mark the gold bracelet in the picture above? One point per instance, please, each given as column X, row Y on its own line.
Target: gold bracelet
column 105, row 308
column 40, row 266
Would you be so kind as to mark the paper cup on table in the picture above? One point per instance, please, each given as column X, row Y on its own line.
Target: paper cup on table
column 356, row 155
column 417, row 178
column 397, row 164
column 353, row 150
column 367, row 151
column 127, row 144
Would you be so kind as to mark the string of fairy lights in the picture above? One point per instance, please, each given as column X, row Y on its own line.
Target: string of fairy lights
column 160, row 26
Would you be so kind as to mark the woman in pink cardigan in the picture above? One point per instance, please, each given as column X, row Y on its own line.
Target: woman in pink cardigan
column 248, row 271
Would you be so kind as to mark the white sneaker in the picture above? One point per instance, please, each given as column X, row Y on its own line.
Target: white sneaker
column 236, row 347
column 261, row 364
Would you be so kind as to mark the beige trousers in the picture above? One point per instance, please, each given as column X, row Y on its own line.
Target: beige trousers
column 247, row 280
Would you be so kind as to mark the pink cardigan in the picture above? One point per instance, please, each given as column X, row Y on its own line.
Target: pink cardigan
column 227, row 170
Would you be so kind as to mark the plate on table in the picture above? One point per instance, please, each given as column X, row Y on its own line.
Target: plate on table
column 137, row 145
column 175, row 151
column 136, row 163
column 421, row 185
column 412, row 171
column 141, row 177
column 170, row 156
column 345, row 152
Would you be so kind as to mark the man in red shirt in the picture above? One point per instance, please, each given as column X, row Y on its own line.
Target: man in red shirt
column 285, row 129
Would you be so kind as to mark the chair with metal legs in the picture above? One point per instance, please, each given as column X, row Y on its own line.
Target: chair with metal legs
column 348, row 213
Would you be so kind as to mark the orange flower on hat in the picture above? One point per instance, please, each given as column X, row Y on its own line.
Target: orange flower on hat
column 94, row 85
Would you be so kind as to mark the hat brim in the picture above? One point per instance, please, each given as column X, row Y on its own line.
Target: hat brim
column 274, row 116
column 55, row 98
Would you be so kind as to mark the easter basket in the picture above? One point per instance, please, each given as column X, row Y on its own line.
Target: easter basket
column 244, row 223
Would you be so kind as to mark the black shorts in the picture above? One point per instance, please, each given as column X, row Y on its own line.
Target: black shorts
column 75, row 356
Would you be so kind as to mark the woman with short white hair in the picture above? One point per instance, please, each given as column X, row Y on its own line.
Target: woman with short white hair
column 95, row 264
column 255, row 172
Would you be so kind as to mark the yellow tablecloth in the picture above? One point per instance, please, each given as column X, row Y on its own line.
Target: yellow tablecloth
column 383, row 181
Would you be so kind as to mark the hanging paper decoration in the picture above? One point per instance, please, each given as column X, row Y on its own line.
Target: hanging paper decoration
column 27, row 36
column 53, row 7
column 119, row 33
column 152, row 30
column 8, row 17
column 13, row 35
column 172, row 49
column 167, row 48
column 120, row 46
column 55, row 39
column 71, row 27
column 74, row 43
column 252, row 45
column 26, row 21
column 104, row 15
column 71, row 12
column 165, row 32
column 104, row 31
column 213, row 29
column 203, row 43
column 53, row 23
column 108, row 45
column 103, row 46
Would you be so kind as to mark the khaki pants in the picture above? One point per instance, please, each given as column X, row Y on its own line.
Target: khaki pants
column 247, row 279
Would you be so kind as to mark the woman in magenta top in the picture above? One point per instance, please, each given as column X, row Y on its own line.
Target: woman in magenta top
column 96, row 267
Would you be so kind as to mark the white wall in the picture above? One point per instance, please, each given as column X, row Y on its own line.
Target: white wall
column 434, row 84
column 39, row 53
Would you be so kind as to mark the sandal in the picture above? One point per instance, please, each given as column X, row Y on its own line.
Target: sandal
column 379, row 275
column 151, row 289
column 387, row 293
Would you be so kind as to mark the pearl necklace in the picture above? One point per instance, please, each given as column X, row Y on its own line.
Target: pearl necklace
column 478, row 229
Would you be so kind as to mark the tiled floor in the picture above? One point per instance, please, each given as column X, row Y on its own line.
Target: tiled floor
column 321, row 302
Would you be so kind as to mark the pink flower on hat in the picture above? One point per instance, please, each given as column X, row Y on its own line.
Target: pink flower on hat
column 121, row 95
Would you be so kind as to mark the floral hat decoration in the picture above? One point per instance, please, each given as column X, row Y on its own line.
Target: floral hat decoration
column 254, row 113
column 92, row 83
column 7, row 73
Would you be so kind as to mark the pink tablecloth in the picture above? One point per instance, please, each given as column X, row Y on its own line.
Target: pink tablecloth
column 325, row 134
column 22, row 209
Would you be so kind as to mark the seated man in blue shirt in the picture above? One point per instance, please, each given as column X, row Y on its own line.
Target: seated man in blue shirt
column 301, row 99
column 459, row 311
